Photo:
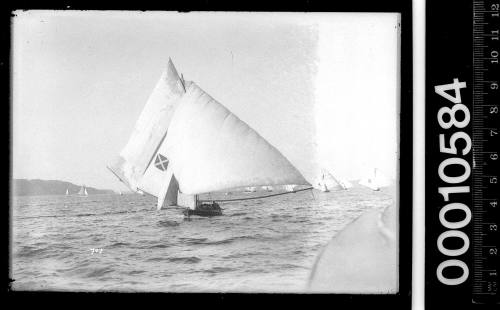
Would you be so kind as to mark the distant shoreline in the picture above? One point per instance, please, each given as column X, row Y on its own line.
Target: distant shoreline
column 37, row 187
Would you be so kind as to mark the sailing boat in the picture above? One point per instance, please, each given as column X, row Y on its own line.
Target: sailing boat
column 185, row 143
column 83, row 191
column 344, row 183
column 375, row 181
column 325, row 182
column 324, row 188
column 328, row 182
column 67, row 191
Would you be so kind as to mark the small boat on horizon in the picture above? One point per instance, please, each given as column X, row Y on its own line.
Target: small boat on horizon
column 83, row 191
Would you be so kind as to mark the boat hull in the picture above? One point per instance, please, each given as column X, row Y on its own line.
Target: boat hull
column 204, row 209
column 206, row 213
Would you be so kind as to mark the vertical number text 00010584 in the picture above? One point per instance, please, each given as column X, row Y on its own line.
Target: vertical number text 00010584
column 453, row 123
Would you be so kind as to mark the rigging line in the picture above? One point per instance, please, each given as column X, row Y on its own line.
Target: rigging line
column 259, row 197
column 183, row 82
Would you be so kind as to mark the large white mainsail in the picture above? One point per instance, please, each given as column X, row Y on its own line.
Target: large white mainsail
column 211, row 149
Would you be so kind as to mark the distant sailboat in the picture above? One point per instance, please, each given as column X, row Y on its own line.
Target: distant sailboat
column 370, row 183
column 325, row 182
column 344, row 183
column 67, row 192
column 83, row 191
column 185, row 143
column 375, row 181
column 328, row 182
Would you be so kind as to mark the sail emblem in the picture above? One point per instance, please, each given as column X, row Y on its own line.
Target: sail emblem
column 161, row 162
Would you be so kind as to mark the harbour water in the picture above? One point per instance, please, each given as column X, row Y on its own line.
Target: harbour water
column 121, row 243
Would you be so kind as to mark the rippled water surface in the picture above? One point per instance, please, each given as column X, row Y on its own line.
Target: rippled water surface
column 121, row 243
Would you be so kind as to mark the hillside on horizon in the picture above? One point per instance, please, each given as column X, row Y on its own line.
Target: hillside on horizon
column 35, row 187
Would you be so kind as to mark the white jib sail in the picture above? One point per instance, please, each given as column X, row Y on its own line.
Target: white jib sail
column 169, row 190
column 210, row 149
column 151, row 127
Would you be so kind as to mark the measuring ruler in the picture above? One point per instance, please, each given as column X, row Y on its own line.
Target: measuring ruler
column 462, row 211
column 486, row 152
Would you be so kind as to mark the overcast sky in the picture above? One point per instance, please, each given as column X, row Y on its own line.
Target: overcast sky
column 322, row 87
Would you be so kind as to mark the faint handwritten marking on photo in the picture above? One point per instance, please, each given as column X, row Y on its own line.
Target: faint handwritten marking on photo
column 95, row 250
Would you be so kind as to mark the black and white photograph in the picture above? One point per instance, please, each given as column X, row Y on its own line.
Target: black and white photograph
column 214, row 152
